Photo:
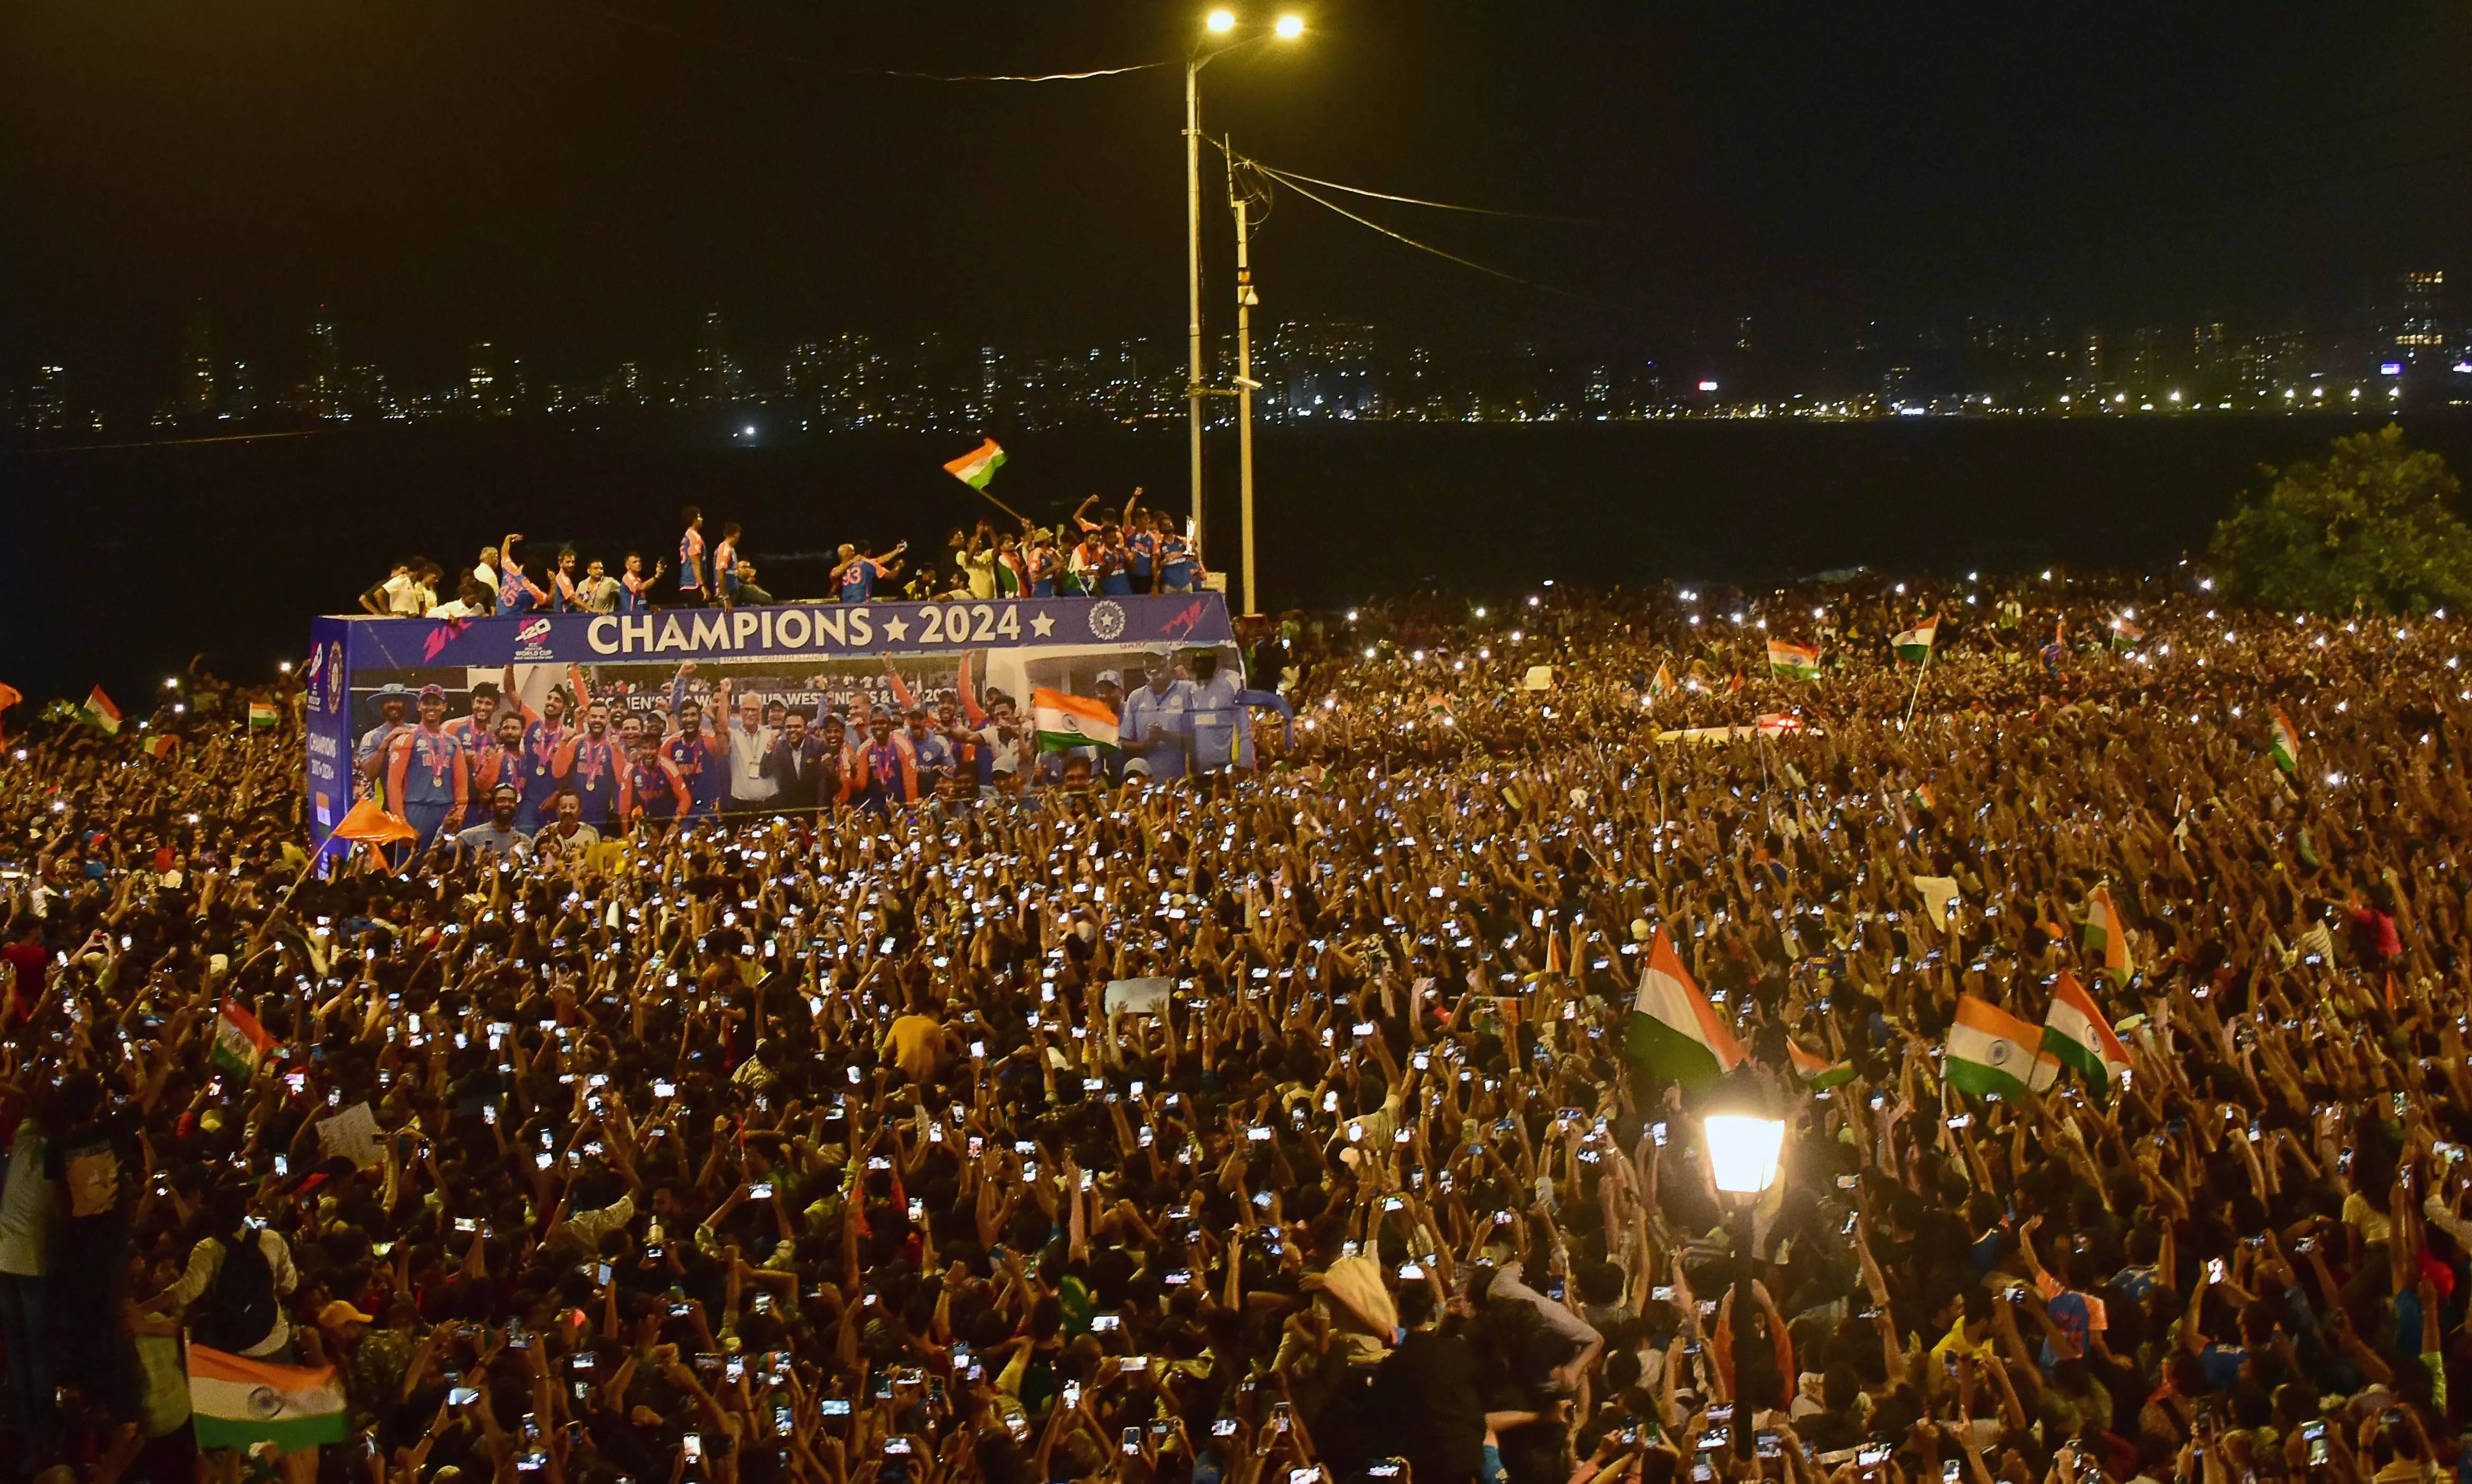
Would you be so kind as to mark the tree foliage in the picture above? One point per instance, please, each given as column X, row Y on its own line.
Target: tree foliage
column 2372, row 527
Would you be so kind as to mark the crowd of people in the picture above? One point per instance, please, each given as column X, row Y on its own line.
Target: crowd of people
column 1140, row 550
column 1281, row 1119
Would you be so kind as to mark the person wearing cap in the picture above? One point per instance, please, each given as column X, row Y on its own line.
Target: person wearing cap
column 394, row 703
column 1042, row 564
column 498, row 835
column 372, row 1360
column 1154, row 721
column 427, row 775
column 340, row 1325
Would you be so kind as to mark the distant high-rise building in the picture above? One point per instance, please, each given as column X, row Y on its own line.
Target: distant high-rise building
column 481, row 379
column 1323, row 369
column 2145, row 357
column 2419, row 332
column 993, row 403
column 717, row 375
column 47, row 400
column 197, row 397
column 1597, row 393
column 325, row 367
column 241, row 397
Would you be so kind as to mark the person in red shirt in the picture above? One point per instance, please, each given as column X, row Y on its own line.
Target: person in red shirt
column 29, row 968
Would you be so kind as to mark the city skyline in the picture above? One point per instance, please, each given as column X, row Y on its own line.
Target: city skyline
column 580, row 189
column 2410, row 347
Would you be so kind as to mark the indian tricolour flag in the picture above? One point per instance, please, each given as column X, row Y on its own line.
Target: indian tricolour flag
column 241, row 1042
column 1817, row 1071
column 1787, row 658
column 239, row 1403
column 2105, row 933
column 1993, row 1053
column 1661, row 685
column 979, row 466
column 1915, row 645
column 1672, row 1027
column 1066, row 722
column 2074, row 1030
column 99, row 710
column 260, row 714
column 2286, row 743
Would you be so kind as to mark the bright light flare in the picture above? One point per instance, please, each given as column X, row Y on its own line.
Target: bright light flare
column 1289, row 27
column 1221, row 21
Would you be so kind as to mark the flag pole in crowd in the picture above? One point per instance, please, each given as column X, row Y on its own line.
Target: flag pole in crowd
column 1916, row 644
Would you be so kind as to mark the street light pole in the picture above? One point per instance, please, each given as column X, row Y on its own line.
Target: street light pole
column 1220, row 22
column 1244, row 301
column 1193, row 389
column 1743, row 1149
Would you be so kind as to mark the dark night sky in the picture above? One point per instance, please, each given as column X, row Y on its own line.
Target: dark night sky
column 580, row 181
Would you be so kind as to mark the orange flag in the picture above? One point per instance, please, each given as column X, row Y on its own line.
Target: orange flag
column 371, row 825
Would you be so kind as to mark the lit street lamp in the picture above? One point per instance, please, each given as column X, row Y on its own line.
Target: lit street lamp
column 1218, row 23
column 1743, row 1150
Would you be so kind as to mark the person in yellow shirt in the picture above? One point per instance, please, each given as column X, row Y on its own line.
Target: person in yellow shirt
column 917, row 1040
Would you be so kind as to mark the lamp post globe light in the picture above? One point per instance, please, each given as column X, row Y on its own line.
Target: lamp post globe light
column 1221, row 31
column 1744, row 1151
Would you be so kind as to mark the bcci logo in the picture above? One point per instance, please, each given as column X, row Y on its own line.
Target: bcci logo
column 335, row 678
column 1106, row 619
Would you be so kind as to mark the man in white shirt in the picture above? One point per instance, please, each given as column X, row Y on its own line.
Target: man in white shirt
column 569, row 837
column 749, row 740
column 473, row 602
column 206, row 1261
column 406, row 592
column 29, row 1206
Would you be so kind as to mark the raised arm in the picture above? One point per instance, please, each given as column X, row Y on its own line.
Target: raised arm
column 970, row 709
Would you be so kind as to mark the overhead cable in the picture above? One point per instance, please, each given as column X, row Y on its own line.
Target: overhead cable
column 1418, row 201
column 1324, row 202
